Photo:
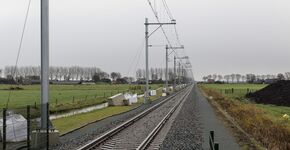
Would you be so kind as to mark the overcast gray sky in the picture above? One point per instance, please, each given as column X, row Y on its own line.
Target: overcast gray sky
column 220, row 36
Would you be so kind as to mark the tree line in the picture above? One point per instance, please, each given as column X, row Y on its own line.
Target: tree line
column 250, row 78
column 60, row 73
column 78, row 73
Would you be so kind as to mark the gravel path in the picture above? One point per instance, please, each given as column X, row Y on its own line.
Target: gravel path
column 191, row 128
column 210, row 121
column 83, row 135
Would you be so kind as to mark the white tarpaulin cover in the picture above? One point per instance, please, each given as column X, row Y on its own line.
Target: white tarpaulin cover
column 16, row 129
column 132, row 98
column 153, row 92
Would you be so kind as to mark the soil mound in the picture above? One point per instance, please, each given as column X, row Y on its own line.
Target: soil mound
column 276, row 93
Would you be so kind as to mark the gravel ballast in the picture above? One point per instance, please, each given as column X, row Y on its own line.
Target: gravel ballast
column 185, row 132
column 81, row 136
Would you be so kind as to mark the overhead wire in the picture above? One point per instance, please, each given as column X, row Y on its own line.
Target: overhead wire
column 158, row 20
column 14, row 72
column 136, row 56
column 163, row 31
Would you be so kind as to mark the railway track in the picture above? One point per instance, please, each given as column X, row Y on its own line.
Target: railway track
column 139, row 131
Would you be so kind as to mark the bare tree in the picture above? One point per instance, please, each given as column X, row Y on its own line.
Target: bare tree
column 209, row 77
column 233, row 77
column 204, row 78
column 115, row 75
column 214, row 77
column 280, row 76
column 220, row 77
column 244, row 78
column 227, row 78
column 238, row 77
column 287, row 75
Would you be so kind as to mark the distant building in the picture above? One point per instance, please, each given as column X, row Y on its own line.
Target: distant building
column 210, row 80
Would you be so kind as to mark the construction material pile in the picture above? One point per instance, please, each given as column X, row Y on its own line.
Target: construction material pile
column 276, row 94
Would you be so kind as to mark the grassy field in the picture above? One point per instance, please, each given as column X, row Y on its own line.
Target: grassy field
column 263, row 122
column 240, row 90
column 67, row 124
column 64, row 97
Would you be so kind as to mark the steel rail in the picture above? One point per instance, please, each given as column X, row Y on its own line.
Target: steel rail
column 158, row 128
column 96, row 142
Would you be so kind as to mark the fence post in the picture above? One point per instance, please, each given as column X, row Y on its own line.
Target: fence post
column 47, row 126
column 56, row 101
column 73, row 99
column 4, row 129
column 212, row 135
column 233, row 90
column 28, row 127
column 35, row 105
column 216, row 146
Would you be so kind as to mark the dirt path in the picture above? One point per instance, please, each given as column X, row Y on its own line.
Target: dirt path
column 210, row 121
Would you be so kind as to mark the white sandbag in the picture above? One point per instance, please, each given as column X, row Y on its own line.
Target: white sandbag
column 16, row 129
column 134, row 98
column 153, row 93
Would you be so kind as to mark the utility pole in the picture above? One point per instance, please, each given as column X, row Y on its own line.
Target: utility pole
column 174, row 75
column 44, row 62
column 179, row 64
column 185, row 57
column 147, row 35
column 146, row 96
column 166, row 70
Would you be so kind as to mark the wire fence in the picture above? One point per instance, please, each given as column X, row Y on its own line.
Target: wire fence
column 23, row 132
column 232, row 91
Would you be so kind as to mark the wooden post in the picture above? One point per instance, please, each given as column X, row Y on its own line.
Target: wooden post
column 216, row 146
column 4, row 129
column 28, row 128
column 212, row 135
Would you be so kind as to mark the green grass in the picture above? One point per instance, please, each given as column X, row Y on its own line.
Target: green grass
column 240, row 90
column 69, row 123
column 63, row 97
